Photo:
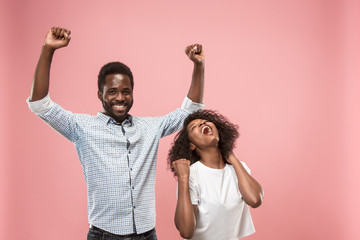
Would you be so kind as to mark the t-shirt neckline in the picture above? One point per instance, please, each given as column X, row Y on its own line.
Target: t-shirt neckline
column 214, row 169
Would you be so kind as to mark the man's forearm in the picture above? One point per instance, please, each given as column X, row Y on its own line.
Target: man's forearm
column 196, row 90
column 40, row 87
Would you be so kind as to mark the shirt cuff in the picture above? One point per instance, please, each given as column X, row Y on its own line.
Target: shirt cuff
column 191, row 106
column 40, row 106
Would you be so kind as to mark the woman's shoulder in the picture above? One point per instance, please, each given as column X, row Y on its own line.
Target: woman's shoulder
column 242, row 163
column 194, row 168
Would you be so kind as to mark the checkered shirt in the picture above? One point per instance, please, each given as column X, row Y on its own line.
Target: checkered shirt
column 118, row 161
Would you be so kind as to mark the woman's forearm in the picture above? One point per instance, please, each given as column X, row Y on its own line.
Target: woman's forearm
column 185, row 220
column 250, row 189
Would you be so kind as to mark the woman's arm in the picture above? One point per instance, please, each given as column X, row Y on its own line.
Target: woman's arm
column 250, row 189
column 185, row 218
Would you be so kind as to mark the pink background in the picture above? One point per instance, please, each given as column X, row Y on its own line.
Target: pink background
column 286, row 71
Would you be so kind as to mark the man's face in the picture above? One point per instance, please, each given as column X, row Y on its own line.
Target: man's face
column 117, row 96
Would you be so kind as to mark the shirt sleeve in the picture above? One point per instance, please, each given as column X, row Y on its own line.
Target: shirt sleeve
column 61, row 120
column 40, row 106
column 191, row 106
column 246, row 167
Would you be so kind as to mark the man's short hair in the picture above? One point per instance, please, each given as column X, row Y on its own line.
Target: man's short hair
column 114, row 68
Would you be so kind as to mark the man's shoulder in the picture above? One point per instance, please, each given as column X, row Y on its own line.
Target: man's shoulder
column 177, row 112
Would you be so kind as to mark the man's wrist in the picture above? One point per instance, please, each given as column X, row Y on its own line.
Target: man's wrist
column 47, row 49
column 199, row 64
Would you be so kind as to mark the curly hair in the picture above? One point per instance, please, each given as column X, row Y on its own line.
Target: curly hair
column 228, row 133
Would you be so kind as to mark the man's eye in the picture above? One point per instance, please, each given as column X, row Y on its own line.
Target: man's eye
column 111, row 92
column 126, row 92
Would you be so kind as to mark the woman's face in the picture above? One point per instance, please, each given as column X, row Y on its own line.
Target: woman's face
column 202, row 133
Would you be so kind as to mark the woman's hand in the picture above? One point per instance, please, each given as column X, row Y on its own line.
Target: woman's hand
column 185, row 220
column 182, row 168
column 232, row 158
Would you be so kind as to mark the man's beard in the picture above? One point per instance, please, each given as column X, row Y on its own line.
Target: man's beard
column 110, row 113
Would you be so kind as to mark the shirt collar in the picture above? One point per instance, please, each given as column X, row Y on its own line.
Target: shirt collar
column 109, row 120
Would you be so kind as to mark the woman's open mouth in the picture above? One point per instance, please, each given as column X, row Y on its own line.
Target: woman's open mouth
column 206, row 130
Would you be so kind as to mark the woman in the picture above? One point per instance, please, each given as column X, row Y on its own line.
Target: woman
column 215, row 191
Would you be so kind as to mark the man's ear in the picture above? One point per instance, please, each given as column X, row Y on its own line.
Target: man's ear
column 99, row 95
column 192, row 147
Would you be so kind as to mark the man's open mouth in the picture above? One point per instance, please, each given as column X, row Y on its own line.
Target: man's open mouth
column 119, row 107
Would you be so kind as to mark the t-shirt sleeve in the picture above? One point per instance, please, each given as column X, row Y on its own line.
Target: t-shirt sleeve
column 246, row 167
column 194, row 195
column 194, row 189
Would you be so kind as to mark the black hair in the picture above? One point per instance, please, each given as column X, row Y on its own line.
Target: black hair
column 228, row 133
column 113, row 68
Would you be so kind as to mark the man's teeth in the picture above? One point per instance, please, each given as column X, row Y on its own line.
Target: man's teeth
column 119, row 106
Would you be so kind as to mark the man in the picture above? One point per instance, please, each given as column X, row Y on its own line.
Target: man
column 117, row 151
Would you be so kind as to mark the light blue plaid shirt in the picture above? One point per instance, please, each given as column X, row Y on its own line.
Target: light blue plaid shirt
column 118, row 161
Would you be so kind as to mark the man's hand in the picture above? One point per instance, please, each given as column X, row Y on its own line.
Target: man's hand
column 196, row 90
column 195, row 53
column 182, row 168
column 56, row 38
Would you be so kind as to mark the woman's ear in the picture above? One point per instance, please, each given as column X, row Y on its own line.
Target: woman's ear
column 192, row 147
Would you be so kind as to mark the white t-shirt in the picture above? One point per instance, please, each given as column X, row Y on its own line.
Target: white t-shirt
column 222, row 213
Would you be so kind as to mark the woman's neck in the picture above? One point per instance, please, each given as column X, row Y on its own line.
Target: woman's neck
column 212, row 158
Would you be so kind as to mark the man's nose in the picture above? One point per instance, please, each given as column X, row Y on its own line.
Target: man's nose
column 119, row 97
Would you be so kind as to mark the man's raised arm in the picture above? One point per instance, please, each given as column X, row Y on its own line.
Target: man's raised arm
column 55, row 38
column 196, row 54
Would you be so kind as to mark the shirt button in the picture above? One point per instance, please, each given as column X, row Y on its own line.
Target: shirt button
column 130, row 169
column 134, row 206
column 133, row 187
column 129, row 152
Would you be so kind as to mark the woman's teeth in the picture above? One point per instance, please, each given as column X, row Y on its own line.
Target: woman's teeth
column 205, row 130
